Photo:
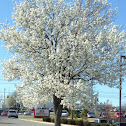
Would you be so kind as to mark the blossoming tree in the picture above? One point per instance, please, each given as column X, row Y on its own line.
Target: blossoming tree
column 59, row 48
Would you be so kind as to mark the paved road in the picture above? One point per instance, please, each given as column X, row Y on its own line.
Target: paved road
column 4, row 121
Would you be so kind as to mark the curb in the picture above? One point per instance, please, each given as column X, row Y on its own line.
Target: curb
column 46, row 122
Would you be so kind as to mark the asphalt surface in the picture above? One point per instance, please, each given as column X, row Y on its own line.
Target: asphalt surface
column 5, row 121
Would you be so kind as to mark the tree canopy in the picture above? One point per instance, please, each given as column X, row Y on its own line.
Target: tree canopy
column 60, row 48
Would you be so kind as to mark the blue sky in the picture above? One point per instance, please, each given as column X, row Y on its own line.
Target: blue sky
column 105, row 93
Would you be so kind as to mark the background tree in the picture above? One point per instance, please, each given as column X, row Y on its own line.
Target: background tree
column 84, row 113
column 11, row 102
column 60, row 48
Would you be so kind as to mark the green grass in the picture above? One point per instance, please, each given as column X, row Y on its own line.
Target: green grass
column 36, row 119
column 41, row 119
column 52, row 117
column 32, row 118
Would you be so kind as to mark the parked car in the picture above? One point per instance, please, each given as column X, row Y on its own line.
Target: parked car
column 79, row 111
column 124, row 115
column 51, row 109
column 4, row 113
column 12, row 113
column 91, row 115
column 121, row 124
column 65, row 113
column 27, row 112
column 104, row 115
column 100, row 121
column 1, row 111
column 116, row 115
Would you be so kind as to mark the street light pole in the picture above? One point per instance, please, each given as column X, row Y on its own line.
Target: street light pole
column 120, row 91
column 120, row 88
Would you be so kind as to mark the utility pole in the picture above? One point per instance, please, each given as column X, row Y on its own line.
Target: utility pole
column 4, row 96
column 1, row 102
column 120, row 88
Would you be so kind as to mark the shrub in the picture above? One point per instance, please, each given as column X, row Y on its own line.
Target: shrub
column 105, row 124
column 52, row 120
column 74, row 112
column 87, row 123
column 22, row 111
column 113, row 125
column 65, row 108
column 47, row 119
column 84, row 113
column 79, row 122
column 71, row 121
column 64, row 121
column 100, row 124
column 96, row 124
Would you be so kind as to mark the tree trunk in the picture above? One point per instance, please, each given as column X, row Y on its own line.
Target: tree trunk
column 57, row 110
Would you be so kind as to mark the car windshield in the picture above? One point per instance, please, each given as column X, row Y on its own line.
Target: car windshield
column 118, row 114
column 5, row 111
column 12, row 111
column 64, row 112
column 103, row 121
column 91, row 113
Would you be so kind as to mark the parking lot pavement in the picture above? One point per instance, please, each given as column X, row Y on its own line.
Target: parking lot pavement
column 5, row 121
